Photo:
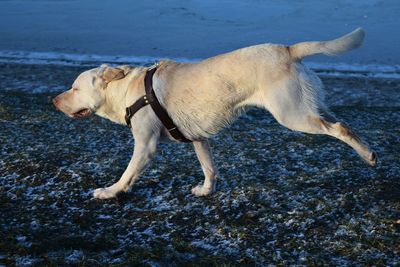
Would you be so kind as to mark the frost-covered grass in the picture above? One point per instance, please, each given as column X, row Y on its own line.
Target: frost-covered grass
column 284, row 197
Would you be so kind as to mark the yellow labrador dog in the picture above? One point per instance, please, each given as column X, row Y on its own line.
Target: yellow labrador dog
column 203, row 97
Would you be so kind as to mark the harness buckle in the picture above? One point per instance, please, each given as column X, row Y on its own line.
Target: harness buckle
column 155, row 65
column 148, row 98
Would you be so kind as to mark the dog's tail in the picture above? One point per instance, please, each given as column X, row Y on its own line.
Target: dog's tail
column 333, row 47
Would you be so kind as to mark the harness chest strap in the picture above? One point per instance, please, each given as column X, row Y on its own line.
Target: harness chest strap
column 151, row 98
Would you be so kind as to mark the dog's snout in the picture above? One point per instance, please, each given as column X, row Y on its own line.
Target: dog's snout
column 56, row 101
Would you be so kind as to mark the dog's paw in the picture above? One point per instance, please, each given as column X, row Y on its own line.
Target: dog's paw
column 372, row 159
column 104, row 193
column 201, row 191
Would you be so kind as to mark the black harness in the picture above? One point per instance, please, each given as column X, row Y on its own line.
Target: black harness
column 151, row 98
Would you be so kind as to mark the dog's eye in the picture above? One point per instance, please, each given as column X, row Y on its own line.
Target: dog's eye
column 74, row 89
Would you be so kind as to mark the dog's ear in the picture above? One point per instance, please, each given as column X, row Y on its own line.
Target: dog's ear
column 108, row 74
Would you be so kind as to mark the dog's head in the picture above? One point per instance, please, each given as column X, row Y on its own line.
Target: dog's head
column 88, row 91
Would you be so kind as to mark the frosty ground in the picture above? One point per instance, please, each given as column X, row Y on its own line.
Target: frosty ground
column 284, row 197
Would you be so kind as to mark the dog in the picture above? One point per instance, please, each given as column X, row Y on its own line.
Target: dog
column 203, row 97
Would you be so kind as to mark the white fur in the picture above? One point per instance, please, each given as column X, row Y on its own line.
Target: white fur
column 204, row 97
column 343, row 44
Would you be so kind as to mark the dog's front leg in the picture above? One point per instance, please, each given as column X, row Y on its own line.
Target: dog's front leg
column 203, row 153
column 144, row 151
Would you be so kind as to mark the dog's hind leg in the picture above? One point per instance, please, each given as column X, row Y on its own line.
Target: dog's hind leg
column 145, row 148
column 330, row 126
column 297, row 104
column 203, row 153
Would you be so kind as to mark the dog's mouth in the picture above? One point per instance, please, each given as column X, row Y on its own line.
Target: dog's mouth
column 83, row 113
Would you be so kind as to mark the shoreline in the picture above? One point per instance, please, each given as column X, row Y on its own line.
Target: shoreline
column 339, row 69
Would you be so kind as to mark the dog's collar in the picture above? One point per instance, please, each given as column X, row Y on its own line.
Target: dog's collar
column 151, row 98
